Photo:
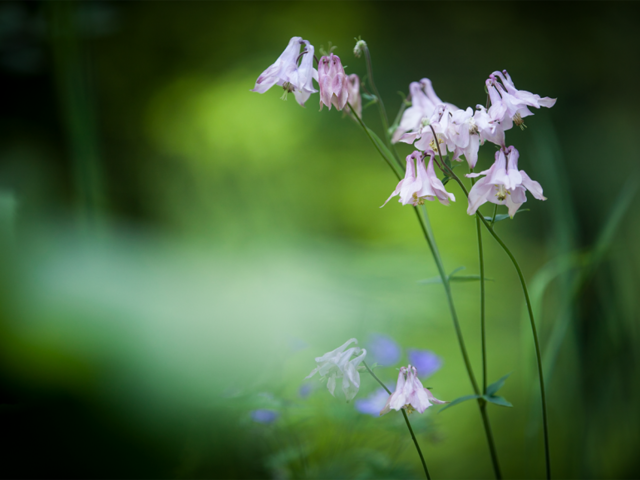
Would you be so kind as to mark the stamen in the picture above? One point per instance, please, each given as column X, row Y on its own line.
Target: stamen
column 517, row 119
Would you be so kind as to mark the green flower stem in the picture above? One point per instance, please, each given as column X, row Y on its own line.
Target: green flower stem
column 428, row 234
column 495, row 210
column 406, row 419
column 482, row 404
column 383, row 112
column 543, row 396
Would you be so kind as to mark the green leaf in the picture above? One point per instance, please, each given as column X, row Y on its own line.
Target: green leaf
column 445, row 180
column 456, row 271
column 460, row 400
column 504, row 216
column 454, row 278
column 369, row 97
column 468, row 278
column 497, row 400
column 495, row 386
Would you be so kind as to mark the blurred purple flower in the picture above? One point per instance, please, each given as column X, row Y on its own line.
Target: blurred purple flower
column 383, row 350
column 305, row 390
column 426, row 362
column 264, row 415
column 373, row 404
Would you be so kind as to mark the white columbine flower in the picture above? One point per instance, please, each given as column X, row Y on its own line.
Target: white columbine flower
column 410, row 394
column 339, row 364
column 286, row 73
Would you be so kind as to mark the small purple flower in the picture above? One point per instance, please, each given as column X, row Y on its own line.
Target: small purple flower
column 305, row 390
column 373, row 403
column 264, row 415
column 383, row 350
column 425, row 361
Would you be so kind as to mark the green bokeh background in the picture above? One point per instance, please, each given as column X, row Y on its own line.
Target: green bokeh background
column 176, row 249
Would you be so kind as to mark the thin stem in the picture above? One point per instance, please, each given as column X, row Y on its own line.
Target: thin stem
column 383, row 112
column 534, row 330
column 428, row 235
column 406, row 419
column 482, row 303
column 495, row 210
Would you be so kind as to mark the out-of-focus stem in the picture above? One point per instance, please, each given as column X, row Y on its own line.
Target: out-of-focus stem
column 73, row 87
column 406, row 419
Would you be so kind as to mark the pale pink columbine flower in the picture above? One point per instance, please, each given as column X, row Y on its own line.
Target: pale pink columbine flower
column 286, row 72
column 420, row 183
column 424, row 103
column 353, row 87
column 503, row 184
column 410, row 394
column 339, row 364
column 334, row 89
column 514, row 101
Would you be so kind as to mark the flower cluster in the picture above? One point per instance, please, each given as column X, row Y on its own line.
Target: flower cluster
column 434, row 126
column 336, row 87
column 342, row 363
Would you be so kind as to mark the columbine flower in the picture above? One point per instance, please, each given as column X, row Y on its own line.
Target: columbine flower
column 410, row 394
column 339, row 364
column 425, row 361
column 286, row 73
column 334, row 88
column 503, row 184
column 415, row 189
column 353, row 88
column 514, row 101
column 423, row 105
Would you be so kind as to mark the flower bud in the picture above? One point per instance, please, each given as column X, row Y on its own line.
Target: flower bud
column 333, row 82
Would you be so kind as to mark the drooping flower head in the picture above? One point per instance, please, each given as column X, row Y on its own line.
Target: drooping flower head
column 424, row 102
column 334, row 89
column 355, row 99
column 514, row 102
column 421, row 183
column 503, row 184
column 409, row 393
column 342, row 363
column 286, row 72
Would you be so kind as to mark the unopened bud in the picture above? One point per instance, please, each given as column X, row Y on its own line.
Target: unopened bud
column 359, row 48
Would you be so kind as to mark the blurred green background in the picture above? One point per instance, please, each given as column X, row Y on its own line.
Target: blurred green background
column 176, row 250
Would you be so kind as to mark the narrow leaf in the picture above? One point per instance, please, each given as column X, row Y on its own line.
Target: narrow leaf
column 429, row 281
column 456, row 271
column 495, row 386
column 497, row 400
column 504, row 216
column 468, row 278
column 460, row 400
